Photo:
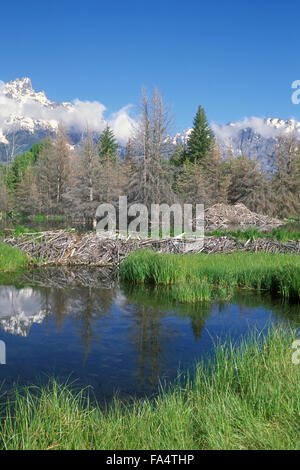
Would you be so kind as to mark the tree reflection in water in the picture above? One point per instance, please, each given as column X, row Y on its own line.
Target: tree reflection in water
column 142, row 327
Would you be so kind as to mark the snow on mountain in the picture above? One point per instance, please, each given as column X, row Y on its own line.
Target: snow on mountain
column 253, row 137
column 27, row 116
column 22, row 92
column 181, row 137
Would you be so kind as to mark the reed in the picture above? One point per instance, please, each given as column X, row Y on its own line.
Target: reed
column 280, row 234
column 277, row 274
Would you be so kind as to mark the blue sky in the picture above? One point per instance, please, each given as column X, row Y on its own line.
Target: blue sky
column 235, row 58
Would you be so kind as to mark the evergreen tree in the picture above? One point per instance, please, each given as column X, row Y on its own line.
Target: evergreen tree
column 107, row 145
column 21, row 162
column 179, row 155
column 201, row 138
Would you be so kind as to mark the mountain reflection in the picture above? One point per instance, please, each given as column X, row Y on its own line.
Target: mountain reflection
column 134, row 336
column 19, row 309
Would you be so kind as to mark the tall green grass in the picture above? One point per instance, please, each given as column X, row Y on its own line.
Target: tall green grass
column 277, row 274
column 280, row 234
column 12, row 259
column 247, row 398
column 12, row 264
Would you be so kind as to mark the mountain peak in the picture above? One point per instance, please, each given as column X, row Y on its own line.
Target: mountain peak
column 25, row 82
column 21, row 86
column 21, row 91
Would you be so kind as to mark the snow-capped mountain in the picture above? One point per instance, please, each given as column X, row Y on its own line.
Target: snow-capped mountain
column 27, row 116
column 254, row 137
column 181, row 137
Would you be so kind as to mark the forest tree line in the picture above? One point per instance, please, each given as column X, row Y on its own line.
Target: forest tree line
column 56, row 178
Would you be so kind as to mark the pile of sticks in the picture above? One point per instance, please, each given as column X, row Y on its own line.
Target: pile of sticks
column 68, row 248
column 224, row 216
column 230, row 244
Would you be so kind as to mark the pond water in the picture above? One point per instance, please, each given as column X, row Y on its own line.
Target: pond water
column 47, row 224
column 115, row 338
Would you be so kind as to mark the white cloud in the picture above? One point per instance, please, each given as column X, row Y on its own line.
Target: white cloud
column 122, row 124
column 78, row 115
column 81, row 115
column 259, row 125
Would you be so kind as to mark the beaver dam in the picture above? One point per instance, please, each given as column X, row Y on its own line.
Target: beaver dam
column 63, row 247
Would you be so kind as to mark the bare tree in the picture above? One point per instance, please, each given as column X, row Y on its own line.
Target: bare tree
column 217, row 177
column 150, row 182
column 249, row 185
column 27, row 194
column 61, row 163
column 286, row 178
column 191, row 185
column 83, row 193
column 3, row 197
column 13, row 147
column 54, row 171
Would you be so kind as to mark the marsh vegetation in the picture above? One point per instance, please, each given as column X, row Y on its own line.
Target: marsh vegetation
column 248, row 398
column 196, row 277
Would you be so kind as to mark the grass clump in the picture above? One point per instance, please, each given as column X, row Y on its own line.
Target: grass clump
column 18, row 231
column 218, row 274
column 195, row 292
column 12, row 259
column 279, row 234
column 246, row 398
column 13, row 263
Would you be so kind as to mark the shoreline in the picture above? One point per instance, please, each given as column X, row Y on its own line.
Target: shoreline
column 231, row 404
column 64, row 247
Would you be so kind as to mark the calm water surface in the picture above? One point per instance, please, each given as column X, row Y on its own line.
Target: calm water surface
column 114, row 338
